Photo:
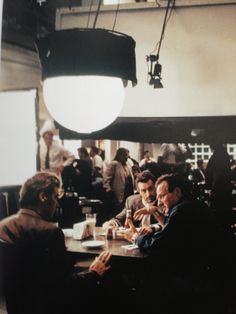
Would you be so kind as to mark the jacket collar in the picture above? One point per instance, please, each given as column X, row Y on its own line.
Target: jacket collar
column 29, row 212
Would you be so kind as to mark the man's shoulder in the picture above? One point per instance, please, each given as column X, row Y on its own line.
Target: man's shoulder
column 134, row 199
column 192, row 206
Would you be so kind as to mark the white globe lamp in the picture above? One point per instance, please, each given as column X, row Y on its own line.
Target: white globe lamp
column 84, row 72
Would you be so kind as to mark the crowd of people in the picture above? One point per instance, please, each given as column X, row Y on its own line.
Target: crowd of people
column 89, row 176
column 159, row 206
column 177, row 231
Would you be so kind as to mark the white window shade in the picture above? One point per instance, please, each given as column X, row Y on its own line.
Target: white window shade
column 17, row 137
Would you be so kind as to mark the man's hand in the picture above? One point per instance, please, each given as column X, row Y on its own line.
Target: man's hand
column 99, row 265
column 108, row 189
column 111, row 223
column 145, row 230
column 138, row 215
column 148, row 210
column 130, row 233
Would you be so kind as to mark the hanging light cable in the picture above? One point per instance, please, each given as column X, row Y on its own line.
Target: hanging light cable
column 97, row 12
column 117, row 9
column 155, row 67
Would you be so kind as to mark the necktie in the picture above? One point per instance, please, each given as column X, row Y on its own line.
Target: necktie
column 47, row 166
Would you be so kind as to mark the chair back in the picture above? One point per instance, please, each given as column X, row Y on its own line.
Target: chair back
column 22, row 281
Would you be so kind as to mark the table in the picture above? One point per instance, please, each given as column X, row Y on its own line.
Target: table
column 114, row 246
column 128, row 266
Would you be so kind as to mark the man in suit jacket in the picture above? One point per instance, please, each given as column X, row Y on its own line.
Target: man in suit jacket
column 145, row 198
column 41, row 253
column 181, row 251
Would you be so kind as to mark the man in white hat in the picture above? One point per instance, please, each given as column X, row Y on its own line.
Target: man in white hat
column 53, row 156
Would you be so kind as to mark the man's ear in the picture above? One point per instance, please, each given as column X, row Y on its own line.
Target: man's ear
column 42, row 197
column 178, row 192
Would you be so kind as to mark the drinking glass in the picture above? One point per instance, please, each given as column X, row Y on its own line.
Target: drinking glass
column 91, row 219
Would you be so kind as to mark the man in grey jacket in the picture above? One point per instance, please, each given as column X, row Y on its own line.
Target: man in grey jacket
column 145, row 199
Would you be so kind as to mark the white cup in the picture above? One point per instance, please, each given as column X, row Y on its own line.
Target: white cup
column 91, row 217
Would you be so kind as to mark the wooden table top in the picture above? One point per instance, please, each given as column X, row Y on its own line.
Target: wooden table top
column 114, row 246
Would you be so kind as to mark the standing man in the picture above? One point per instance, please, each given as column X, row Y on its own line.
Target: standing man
column 53, row 156
column 97, row 163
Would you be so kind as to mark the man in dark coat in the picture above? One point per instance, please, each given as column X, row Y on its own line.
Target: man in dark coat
column 181, row 252
column 33, row 249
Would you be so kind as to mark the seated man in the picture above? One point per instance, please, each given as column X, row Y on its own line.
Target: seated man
column 145, row 199
column 47, row 278
column 181, row 251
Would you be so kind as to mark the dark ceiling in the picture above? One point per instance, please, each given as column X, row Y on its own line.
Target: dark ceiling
column 217, row 129
column 25, row 20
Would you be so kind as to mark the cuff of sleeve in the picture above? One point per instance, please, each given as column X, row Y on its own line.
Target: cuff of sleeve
column 156, row 227
column 134, row 237
column 118, row 224
column 93, row 275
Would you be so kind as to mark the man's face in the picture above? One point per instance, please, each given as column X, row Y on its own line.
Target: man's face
column 165, row 198
column 124, row 157
column 48, row 137
column 50, row 205
column 92, row 153
column 147, row 190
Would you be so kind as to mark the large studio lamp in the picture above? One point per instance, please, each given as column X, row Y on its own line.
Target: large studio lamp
column 84, row 72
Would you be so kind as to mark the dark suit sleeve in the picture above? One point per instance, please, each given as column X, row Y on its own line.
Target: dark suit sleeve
column 63, row 267
column 168, row 239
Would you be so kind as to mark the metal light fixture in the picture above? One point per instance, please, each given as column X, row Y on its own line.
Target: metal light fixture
column 84, row 72
column 155, row 71
column 155, row 67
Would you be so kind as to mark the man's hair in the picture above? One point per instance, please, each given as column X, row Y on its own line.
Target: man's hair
column 40, row 182
column 119, row 153
column 144, row 176
column 94, row 149
column 200, row 162
column 83, row 150
column 146, row 152
column 47, row 132
column 174, row 181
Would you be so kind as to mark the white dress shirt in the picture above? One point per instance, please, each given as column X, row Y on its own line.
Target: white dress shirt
column 57, row 154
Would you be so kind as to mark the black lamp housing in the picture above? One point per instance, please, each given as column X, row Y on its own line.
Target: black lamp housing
column 88, row 52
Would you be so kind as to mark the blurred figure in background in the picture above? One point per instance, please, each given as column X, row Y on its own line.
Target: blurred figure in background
column 233, row 171
column 218, row 179
column 174, row 153
column 84, row 155
column 97, row 163
column 131, row 161
column 118, row 179
column 53, row 156
column 146, row 159
column 199, row 174
column 136, row 173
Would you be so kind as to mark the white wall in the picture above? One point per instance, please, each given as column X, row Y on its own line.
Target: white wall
column 197, row 57
column 1, row 5
column 17, row 137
